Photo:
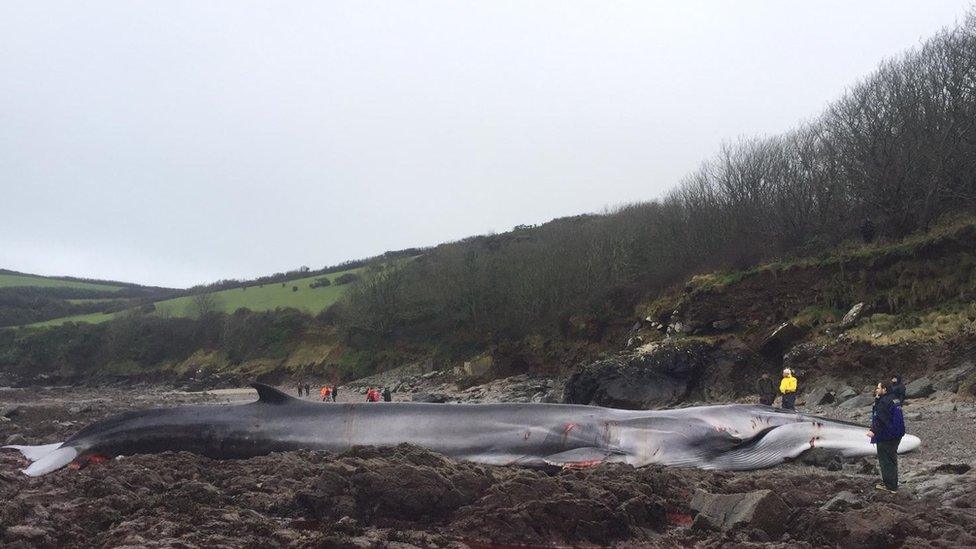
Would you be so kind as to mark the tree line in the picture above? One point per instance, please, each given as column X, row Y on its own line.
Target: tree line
column 889, row 157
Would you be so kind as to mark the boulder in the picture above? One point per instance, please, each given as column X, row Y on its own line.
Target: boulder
column 16, row 439
column 723, row 325
column 949, row 380
column 681, row 328
column 844, row 393
column 658, row 375
column 919, row 388
column 832, row 460
column 436, row 398
column 842, row 502
column 478, row 368
column 9, row 411
column 818, row 396
column 860, row 401
column 781, row 339
column 852, row 316
column 761, row 509
column 942, row 407
column 951, row 468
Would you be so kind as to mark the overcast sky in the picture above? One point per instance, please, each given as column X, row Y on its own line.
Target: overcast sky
column 177, row 143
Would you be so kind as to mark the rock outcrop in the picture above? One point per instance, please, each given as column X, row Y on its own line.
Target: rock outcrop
column 656, row 376
column 761, row 509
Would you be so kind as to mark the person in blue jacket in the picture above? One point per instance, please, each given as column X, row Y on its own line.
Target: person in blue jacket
column 887, row 428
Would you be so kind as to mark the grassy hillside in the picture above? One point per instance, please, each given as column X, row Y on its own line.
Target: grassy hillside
column 921, row 288
column 22, row 281
column 268, row 297
column 29, row 299
column 259, row 297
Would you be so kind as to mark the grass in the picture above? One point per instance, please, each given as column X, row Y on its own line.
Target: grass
column 927, row 325
column 267, row 297
column 82, row 301
column 12, row 280
column 851, row 254
column 264, row 297
column 815, row 315
column 90, row 318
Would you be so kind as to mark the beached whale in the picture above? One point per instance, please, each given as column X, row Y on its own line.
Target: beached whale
column 730, row 437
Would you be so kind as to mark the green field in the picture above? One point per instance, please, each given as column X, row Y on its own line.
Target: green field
column 257, row 298
column 12, row 280
column 91, row 318
column 267, row 297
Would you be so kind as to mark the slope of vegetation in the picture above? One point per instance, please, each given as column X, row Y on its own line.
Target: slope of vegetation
column 297, row 294
column 9, row 279
column 892, row 156
column 921, row 288
column 303, row 294
column 26, row 299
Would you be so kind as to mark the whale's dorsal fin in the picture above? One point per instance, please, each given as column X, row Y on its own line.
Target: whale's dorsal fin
column 269, row 395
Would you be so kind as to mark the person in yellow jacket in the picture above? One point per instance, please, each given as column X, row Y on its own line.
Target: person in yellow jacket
column 787, row 387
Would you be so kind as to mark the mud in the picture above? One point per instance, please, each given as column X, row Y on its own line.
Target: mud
column 409, row 497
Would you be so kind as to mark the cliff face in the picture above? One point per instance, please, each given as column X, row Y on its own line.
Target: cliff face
column 843, row 322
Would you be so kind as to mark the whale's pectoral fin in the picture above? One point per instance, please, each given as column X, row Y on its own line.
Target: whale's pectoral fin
column 579, row 457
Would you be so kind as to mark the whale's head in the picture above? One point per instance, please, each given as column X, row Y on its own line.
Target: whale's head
column 742, row 437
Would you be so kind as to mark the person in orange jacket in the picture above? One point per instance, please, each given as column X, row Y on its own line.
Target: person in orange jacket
column 324, row 392
column 372, row 395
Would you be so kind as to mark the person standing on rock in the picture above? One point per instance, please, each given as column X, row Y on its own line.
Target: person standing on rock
column 887, row 428
column 324, row 392
column 335, row 393
column 898, row 389
column 387, row 395
column 766, row 390
column 787, row 387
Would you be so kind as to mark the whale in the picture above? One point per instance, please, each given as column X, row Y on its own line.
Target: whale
column 730, row 437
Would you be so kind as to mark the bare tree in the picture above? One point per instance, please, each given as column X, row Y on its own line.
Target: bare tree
column 205, row 305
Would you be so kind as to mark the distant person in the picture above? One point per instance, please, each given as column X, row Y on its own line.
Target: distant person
column 868, row 230
column 387, row 395
column 325, row 392
column 787, row 387
column 372, row 395
column 898, row 389
column 300, row 385
column 335, row 393
column 766, row 390
column 887, row 428
column 308, row 389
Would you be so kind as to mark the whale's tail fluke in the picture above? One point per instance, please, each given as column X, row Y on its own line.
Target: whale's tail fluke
column 46, row 457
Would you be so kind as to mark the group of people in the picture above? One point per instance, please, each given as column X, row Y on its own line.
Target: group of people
column 375, row 395
column 787, row 388
column 327, row 393
column 331, row 393
column 887, row 418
